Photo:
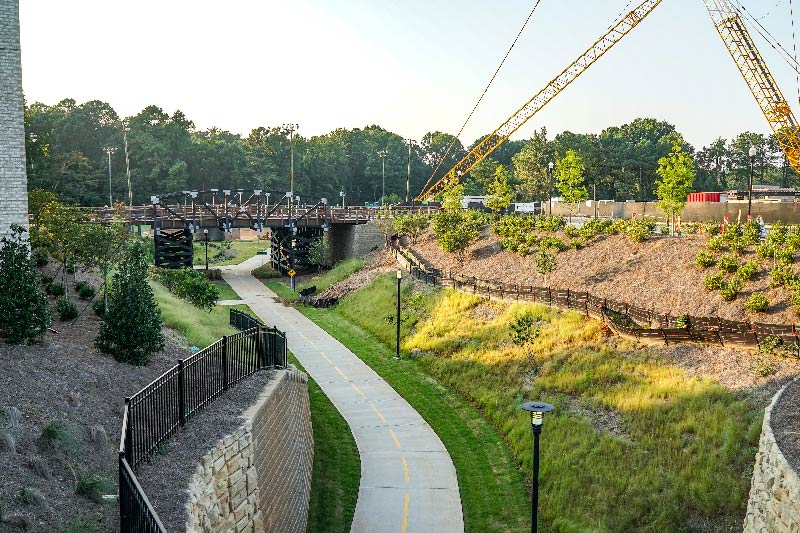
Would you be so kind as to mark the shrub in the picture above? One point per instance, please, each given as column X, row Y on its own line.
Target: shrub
column 411, row 225
column 713, row 282
column 738, row 246
column 40, row 257
column 730, row 290
column 320, row 253
column 704, row 259
column 94, row 487
column 728, row 263
column 758, row 302
column 715, row 243
column 747, row 270
column 784, row 255
column 66, row 309
column 86, row 292
column 710, row 228
column 455, row 231
column 189, row 285
column 595, row 227
column 781, row 274
column 55, row 437
column 777, row 234
column 553, row 243
column 131, row 329
column 54, row 288
column 752, row 233
column 24, row 311
column 212, row 274
column 639, row 230
column 70, row 267
column 765, row 251
column 44, row 279
column 523, row 330
column 99, row 307
column 571, row 232
column 265, row 271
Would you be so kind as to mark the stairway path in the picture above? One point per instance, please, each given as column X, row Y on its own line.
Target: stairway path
column 408, row 481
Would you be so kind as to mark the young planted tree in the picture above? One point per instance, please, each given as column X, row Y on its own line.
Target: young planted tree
column 24, row 311
column 451, row 198
column 499, row 191
column 569, row 180
column 411, row 225
column 131, row 329
column 58, row 229
column 677, row 173
column 545, row 262
column 320, row 253
column 100, row 246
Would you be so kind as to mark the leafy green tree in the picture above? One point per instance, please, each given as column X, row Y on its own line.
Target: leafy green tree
column 58, row 230
column 451, row 198
column 500, row 194
column 320, row 253
column 483, row 173
column 677, row 174
column 131, row 329
column 100, row 246
column 530, row 168
column 455, row 231
column 412, row 225
column 545, row 262
column 569, row 179
column 24, row 311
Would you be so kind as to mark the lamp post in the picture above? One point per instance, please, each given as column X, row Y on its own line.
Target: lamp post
column 34, row 138
column 205, row 234
column 342, row 193
column 550, row 166
column 399, row 279
column 125, row 130
column 537, row 410
column 292, row 128
column 752, row 154
column 109, row 150
column 408, row 177
column 382, row 155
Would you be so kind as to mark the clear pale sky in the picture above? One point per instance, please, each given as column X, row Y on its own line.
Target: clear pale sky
column 412, row 67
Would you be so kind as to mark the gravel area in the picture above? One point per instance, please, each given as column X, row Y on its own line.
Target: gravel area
column 786, row 424
column 659, row 274
column 64, row 380
column 165, row 478
column 375, row 264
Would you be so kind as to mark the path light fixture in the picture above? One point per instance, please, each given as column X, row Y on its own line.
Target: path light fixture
column 550, row 166
column 537, row 411
column 205, row 234
column 752, row 153
column 399, row 279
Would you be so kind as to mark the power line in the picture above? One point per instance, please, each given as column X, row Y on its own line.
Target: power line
column 455, row 139
column 767, row 36
column 794, row 47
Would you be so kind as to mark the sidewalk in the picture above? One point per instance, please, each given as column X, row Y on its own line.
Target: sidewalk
column 408, row 482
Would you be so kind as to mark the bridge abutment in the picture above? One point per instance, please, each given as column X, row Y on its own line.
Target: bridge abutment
column 13, row 177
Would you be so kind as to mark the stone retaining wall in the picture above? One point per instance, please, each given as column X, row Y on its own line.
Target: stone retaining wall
column 774, row 504
column 259, row 477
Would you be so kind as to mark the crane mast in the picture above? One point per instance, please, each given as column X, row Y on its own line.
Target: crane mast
column 532, row 106
column 754, row 70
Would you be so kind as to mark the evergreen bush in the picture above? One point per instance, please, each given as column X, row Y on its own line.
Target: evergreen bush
column 24, row 311
column 131, row 329
column 40, row 257
column 190, row 285
column 714, row 281
column 99, row 307
column 728, row 263
column 758, row 302
column 66, row 309
column 55, row 288
column 704, row 259
column 86, row 292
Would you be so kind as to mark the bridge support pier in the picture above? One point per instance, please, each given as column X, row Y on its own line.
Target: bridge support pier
column 290, row 249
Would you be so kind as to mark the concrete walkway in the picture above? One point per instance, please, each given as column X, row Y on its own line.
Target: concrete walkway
column 408, row 482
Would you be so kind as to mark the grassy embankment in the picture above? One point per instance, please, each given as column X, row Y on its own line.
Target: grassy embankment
column 227, row 253
column 492, row 490
column 634, row 444
column 342, row 270
column 335, row 479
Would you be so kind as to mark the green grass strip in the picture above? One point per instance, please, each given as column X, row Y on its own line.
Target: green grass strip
column 199, row 328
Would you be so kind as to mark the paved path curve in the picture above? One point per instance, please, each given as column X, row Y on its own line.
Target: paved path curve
column 408, row 482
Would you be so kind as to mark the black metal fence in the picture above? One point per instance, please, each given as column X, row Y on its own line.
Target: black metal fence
column 156, row 412
column 627, row 319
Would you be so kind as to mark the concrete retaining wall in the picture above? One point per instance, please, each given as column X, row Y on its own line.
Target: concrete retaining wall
column 259, row 477
column 354, row 240
column 13, row 177
column 774, row 504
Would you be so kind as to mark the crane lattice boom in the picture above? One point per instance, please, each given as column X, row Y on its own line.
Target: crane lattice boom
column 558, row 84
column 758, row 77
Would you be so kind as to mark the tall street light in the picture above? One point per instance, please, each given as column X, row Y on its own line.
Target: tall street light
column 342, row 194
column 125, row 131
column 537, row 411
column 550, row 166
column 399, row 279
column 408, row 178
column 752, row 154
column 382, row 155
column 109, row 150
column 33, row 138
column 205, row 233
column 292, row 128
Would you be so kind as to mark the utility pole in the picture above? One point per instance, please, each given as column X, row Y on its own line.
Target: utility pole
column 408, row 177
column 292, row 128
column 109, row 150
column 382, row 155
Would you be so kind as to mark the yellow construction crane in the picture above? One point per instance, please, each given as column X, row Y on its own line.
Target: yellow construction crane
column 736, row 38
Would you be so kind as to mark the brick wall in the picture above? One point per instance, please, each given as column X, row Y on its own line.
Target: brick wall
column 13, row 178
column 259, row 477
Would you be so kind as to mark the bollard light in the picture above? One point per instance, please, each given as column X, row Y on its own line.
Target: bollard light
column 537, row 411
column 399, row 279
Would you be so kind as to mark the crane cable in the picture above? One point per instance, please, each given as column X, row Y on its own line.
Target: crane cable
column 767, row 36
column 508, row 52
column 794, row 48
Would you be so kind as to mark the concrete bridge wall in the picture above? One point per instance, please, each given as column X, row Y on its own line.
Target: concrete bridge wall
column 354, row 240
column 13, row 177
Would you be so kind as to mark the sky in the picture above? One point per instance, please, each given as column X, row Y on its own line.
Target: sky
column 411, row 67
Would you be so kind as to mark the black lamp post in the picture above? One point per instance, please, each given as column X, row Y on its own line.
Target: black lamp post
column 399, row 279
column 205, row 233
column 752, row 154
column 537, row 410
column 550, row 166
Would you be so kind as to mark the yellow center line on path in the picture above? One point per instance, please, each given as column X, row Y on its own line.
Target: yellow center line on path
column 340, row 372
column 397, row 442
column 380, row 415
column 405, row 514
column 359, row 391
column 326, row 357
column 405, row 470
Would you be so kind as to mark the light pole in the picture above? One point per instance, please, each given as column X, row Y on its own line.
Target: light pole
column 342, row 193
column 205, row 233
column 399, row 279
column 109, row 150
column 752, row 154
column 382, row 155
column 537, row 410
column 408, row 177
column 292, row 128
column 550, row 166
column 33, row 138
column 125, row 131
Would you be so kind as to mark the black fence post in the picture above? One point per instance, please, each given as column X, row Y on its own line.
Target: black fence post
column 181, row 394
column 128, row 444
column 224, row 362
column 260, row 348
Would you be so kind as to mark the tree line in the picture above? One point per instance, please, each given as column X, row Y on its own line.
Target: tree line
column 66, row 142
